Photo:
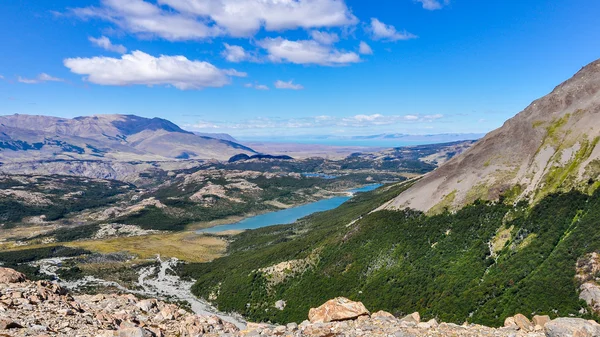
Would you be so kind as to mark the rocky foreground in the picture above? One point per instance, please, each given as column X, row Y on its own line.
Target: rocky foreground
column 44, row 308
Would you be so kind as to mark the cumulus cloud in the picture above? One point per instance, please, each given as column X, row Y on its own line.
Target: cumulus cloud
column 306, row 52
column 238, row 54
column 41, row 78
column 234, row 53
column 381, row 31
column 324, row 37
column 364, row 48
column 145, row 18
column 139, row 68
column 257, row 86
column 324, row 121
column 105, row 43
column 201, row 19
column 433, row 4
column 290, row 85
column 246, row 17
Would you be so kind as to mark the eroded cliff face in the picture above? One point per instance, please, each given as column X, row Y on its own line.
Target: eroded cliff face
column 550, row 146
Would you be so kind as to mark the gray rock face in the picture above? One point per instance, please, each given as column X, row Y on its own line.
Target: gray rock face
column 576, row 327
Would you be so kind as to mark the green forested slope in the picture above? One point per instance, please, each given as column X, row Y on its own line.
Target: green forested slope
column 404, row 261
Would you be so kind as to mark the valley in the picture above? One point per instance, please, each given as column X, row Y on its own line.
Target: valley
column 98, row 225
column 299, row 168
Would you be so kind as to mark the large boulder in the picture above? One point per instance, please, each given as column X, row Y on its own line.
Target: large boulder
column 412, row 319
column 338, row 309
column 590, row 293
column 8, row 275
column 540, row 320
column 509, row 322
column 566, row 327
column 523, row 322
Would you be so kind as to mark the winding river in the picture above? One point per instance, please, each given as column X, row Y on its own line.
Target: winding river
column 290, row 215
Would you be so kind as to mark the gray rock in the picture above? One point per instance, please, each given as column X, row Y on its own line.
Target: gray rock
column 563, row 327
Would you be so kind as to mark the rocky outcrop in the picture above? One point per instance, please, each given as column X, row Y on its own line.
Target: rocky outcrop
column 576, row 327
column 587, row 270
column 338, row 309
column 45, row 308
column 8, row 275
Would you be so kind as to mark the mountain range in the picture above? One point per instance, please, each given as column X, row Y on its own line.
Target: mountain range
column 107, row 137
column 509, row 226
column 550, row 146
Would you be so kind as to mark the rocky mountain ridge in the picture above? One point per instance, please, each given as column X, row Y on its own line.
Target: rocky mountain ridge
column 45, row 308
column 107, row 137
column 550, row 146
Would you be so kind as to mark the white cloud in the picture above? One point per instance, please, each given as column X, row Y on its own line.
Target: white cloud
column 139, row 68
column 41, row 78
column 1, row 77
column 246, row 17
column 147, row 19
column 433, row 4
column 105, row 43
column 306, row 52
column 324, row 37
column 238, row 54
column 364, row 48
column 355, row 122
column 288, row 85
column 256, row 86
column 201, row 19
column 381, row 31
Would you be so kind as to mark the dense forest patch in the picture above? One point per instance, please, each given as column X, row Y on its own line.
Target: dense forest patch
column 404, row 261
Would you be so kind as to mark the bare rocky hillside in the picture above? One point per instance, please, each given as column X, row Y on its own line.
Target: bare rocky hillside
column 550, row 146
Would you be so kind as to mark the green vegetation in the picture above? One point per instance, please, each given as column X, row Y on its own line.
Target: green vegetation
column 444, row 205
column 404, row 261
column 18, row 259
column 59, row 196
column 562, row 176
column 553, row 135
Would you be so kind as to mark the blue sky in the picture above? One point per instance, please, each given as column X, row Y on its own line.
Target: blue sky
column 267, row 68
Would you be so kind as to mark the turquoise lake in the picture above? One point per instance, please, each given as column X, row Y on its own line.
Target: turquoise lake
column 287, row 216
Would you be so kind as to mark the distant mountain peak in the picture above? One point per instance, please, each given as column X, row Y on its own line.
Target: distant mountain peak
column 122, row 137
column 131, row 124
